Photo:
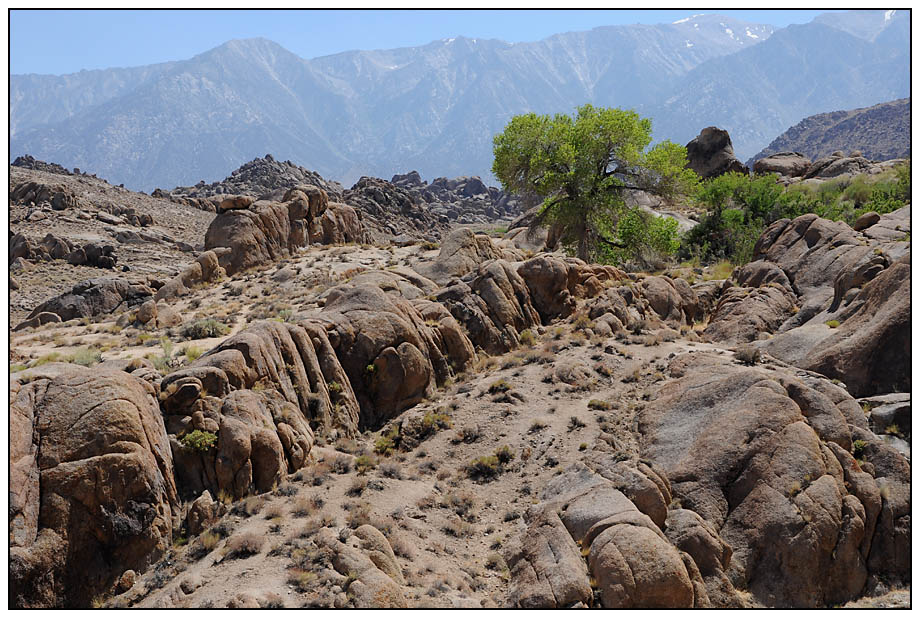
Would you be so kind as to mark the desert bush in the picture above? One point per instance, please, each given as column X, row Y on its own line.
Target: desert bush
column 244, row 545
column 197, row 440
column 205, row 329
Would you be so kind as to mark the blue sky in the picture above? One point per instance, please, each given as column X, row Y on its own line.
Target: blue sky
column 57, row 42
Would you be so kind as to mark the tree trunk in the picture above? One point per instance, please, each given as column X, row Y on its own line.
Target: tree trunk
column 582, row 230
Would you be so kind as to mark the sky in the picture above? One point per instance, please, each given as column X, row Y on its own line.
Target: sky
column 67, row 41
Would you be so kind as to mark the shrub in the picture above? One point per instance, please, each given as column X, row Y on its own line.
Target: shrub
column 527, row 337
column 504, row 454
column 86, row 357
column 598, row 404
column 387, row 442
column 205, row 329
column 486, row 467
column 197, row 440
column 245, row 545
column 501, row 386
column 859, row 448
column 833, row 323
column 192, row 353
column 363, row 463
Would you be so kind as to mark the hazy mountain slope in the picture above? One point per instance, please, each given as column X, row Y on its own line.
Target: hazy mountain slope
column 41, row 99
column 801, row 70
column 881, row 132
column 435, row 108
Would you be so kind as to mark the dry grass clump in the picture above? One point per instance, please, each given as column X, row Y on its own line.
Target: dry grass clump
column 244, row 545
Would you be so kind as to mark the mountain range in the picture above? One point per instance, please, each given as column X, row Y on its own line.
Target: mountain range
column 436, row 107
column 880, row 132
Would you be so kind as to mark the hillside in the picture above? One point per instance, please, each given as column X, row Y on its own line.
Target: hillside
column 881, row 132
column 434, row 108
column 269, row 407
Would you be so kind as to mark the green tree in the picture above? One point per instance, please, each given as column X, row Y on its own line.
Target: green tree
column 581, row 169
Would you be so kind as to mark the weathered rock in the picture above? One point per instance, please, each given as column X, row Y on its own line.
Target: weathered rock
column 92, row 490
column 201, row 514
column 368, row 561
column 547, row 569
column 147, row 312
column 461, row 252
column 206, row 268
column 710, row 154
column 870, row 350
column 866, row 220
column 743, row 314
column 836, row 165
column 752, row 452
column 234, row 202
column 44, row 317
column 95, row 297
column 493, row 304
column 388, row 352
column 790, row 164
column 556, row 283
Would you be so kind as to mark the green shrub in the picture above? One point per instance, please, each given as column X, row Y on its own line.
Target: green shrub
column 859, row 448
column 486, row 467
column 598, row 404
column 205, row 329
column 192, row 353
column 833, row 323
column 86, row 357
column 197, row 440
column 643, row 239
column 387, row 443
column 527, row 337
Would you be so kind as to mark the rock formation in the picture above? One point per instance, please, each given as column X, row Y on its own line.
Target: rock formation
column 710, row 154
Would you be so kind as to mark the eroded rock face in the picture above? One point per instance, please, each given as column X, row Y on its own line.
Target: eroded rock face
column 493, row 304
column 92, row 489
column 461, row 252
column 264, row 231
column 764, row 456
column 743, row 314
column 375, row 579
column 870, row 350
column 556, row 283
column 614, row 509
column 206, row 268
column 387, row 350
column 263, row 392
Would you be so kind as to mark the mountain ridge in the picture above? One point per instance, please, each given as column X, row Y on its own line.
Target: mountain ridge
column 433, row 108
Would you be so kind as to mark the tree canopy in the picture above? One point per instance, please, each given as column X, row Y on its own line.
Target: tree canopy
column 581, row 168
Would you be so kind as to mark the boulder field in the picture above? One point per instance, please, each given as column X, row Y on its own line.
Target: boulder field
column 759, row 484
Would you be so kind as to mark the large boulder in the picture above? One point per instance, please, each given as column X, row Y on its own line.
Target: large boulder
column 710, row 154
column 91, row 487
column 390, row 355
column 556, row 283
column 614, row 509
column 266, row 231
column 789, row 164
column 95, row 297
column 461, row 252
column 870, row 349
column 205, row 269
column 838, row 164
column 493, row 304
column 764, row 456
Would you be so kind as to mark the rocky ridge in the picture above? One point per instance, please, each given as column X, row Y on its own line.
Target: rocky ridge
column 613, row 452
